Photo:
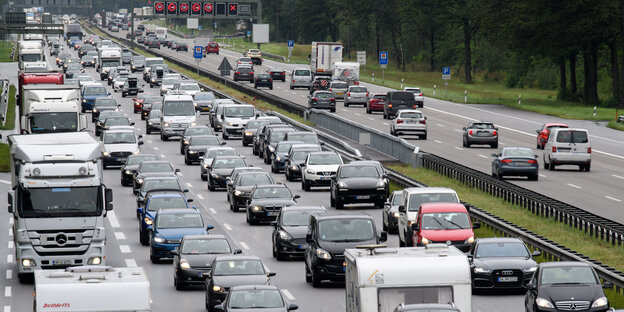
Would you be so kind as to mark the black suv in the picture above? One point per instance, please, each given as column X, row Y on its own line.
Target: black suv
column 358, row 183
column 328, row 237
column 244, row 73
column 397, row 100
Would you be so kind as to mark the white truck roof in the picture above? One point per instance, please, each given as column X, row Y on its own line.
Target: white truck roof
column 53, row 107
column 50, row 92
column 52, row 146
column 92, row 288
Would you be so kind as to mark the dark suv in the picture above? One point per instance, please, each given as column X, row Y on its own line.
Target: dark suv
column 328, row 237
column 397, row 100
column 244, row 73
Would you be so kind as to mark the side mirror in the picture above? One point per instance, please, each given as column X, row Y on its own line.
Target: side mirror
column 308, row 238
column 218, row 307
column 537, row 131
column 185, row 190
column 174, row 252
column 108, row 93
column 10, row 200
column 140, row 136
column 530, row 286
column 464, row 128
column 415, row 227
column 536, row 253
column 292, row 307
column 476, row 225
column 271, row 274
column 425, row 117
column 402, row 209
column 535, row 156
column 494, row 155
column 383, row 237
column 109, row 199
column 190, row 200
column 139, row 211
column 297, row 196
column 274, row 223
column 177, row 171
column 209, row 227
column 140, row 142
column 132, row 124
column 223, row 143
column 302, row 165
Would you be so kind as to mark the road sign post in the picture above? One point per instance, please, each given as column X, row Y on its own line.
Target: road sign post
column 446, row 75
column 198, row 53
column 291, row 45
column 383, row 63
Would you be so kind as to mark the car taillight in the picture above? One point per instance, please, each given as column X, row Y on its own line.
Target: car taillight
column 270, row 80
column 330, row 90
column 470, row 132
column 399, row 121
column 348, row 93
column 414, row 105
column 238, row 73
column 421, row 94
column 494, row 132
column 424, row 122
column 314, row 99
column 356, row 82
column 293, row 81
column 251, row 73
column 506, row 161
column 554, row 149
column 389, row 105
column 589, row 150
column 531, row 161
column 282, row 74
column 366, row 94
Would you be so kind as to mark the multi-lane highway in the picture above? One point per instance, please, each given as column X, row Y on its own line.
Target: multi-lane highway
column 597, row 191
column 124, row 249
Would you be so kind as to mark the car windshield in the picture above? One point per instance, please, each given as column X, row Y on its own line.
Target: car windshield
column 297, row 217
column 402, row 96
column 154, row 184
column 239, row 112
column 95, row 91
column 299, row 156
column 410, row 115
column 324, row 159
column 156, row 167
column 415, row 200
column 190, row 87
column 244, row 59
column 213, row 45
column 396, row 200
column 205, row 246
column 487, row 250
column 482, row 126
column 256, row 299
column 339, row 85
column 179, row 220
column 567, row 275
column 106, row 102
column 359, row 172
column 277, row 136
column 238, row 267
column 135, row 160
column 272, row 192
column 263, row 76
column 116, row 121
column 126, row 54
column 254, row 179
column 346, row 230
column 197, row 131
column 155, row 114
column 74, row 66
column 228, row 163
column 518, row 152
column 358, row 89
column 179, row 108
column 220, row 152
column 53, row 122
column 445, row 221
column 204, row 96
column 204, row 141
column 255, row 124
column 284, row 147
column 323, row 95
column 413, row 90
column 88, row 58
column 302, row 72
column 119, row 138
column 161, row 203
column 571, row 136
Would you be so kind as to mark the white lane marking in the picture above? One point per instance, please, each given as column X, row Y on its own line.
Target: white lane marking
column 7, row 291
column 11, row 220
column 373, row 119
column 358, row 114
column 155, row 148
column 200, row 196
column 125, row 249
column 303, row 96
column 501, row 143
column 9, row 274
column 385, row 123
column 617, row 176
column 7, row 308
column 162, row 155
column 245, row 246
column 214, row 211
column 10, row 245
column 458, row 130
column 227, row 226
column 189, row 184
column 112, row 219
column 459, row 148
column 483, row 156
column 440, row 125
column 295, row 93
column 613, row 198
column 149, row 141
column 9, row 258
column 5, row 182
column 11, row 232
column 541, row 175
column 574, row 186
column 120, row 235
column 130, row 263
column 288, row 295
column 344, row 110
column 437, row 141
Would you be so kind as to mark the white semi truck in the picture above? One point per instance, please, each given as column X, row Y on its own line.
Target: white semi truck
column 58, row 201
column 92, row 289
column 323, row 57
column 380, row 279
column 48, row 108
column 109, row 57
column 30, row 51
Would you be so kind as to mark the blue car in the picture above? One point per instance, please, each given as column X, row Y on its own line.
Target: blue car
column 170, row 226
column 278, row 158
column 155, row 201
column 91, row 92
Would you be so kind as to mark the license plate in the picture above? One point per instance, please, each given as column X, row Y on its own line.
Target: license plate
column 118, row 159
column 61, row 262
column 339, row 93
column 324, row 178
column 362, row 197
column 272, row 213
column 508, row 279
column 483, row 133
column 303, row 246
column 200, row 274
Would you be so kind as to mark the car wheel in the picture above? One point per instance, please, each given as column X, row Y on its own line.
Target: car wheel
column 499, row 175
column 551, row 167
column 368, row 111
column 225, row 136
column 143, row 236
column 304, row 183
column 401, row 242
column 534, row 177
column 273, row 167
column 278, row 255
column 203, row 177
column 495, row 145
column 339, row 203
column 588, row 167
column 308, row 276
column 316, row 281
column 423, row 137
column 385, row 116
column 346, row 104
column 178, row 285
column 292, row 88
column 210, row 186
column 154, row 259
column 332, row 201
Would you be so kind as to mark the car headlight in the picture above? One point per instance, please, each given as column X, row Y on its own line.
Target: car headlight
column 278, row 159
column 271, row 149
column 28, row 263
column 323, row 254
column 193, row 123
column 84, row 100
column 530, row 270
column 184, row 264
column 342, row 184
column 247, row 133
column 159, row 239
column 139, row 181
column 195, row 104
column 133, row 67
column 469, row 240
column 150, row 123
column 238, row 193
column 229, row 123
column 396, row 214
column 166, row 124
column 425, row 241
column 186, row 142
column 192, row 152
column 105, row 153
column 128, row 172
column 309, row 171
column 256, row 208
column 216, row 288
column 600, row 302
column 149, row 221
column 136, row 152
column 205, row 166
column 541, row 302
column 381, row 184
column 481, row 270
column 153, row 80
column 284, row 235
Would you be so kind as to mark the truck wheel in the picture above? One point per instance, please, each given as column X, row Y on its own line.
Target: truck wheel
column 25, row 278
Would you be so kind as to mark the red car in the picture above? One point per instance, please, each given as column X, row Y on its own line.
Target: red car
column 138, row 102
column 376, row 103
column 212, row 47
column 444, row 223
column 544, row 132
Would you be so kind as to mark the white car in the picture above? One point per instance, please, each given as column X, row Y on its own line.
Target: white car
column 118, row 82
column 189, row 88
column 167, row 84
column 418, row 95
column 409, row 121
column 319, row 168
column 244, row 61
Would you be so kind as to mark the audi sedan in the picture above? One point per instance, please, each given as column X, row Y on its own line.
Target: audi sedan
column 515, row 161
column 266, row 201
column 322, row 100
column 480, row 133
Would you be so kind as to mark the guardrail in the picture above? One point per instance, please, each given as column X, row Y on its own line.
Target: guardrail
column 4, row 100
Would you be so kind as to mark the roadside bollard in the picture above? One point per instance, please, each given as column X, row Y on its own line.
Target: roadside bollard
column 595, row 108
column 434, row 87
column 402, row 83
column 466, row 96
column 519, row 99
column 373, row 80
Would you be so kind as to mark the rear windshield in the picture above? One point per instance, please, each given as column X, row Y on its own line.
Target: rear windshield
column 411, row 115
column 339, row 85
column 302, row 73
column 358, row 89
column 380, row 97
column 571, row 136
column 482, row 126
column 402, row 96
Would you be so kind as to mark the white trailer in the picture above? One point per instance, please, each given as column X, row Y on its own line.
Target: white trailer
column 161, row 33
column 348, row 72
column 323, row 57
column 92, row 289
column 379, row 279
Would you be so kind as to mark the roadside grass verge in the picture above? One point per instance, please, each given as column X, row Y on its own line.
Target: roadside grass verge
column 299, row 53
column 616, row 125
column 4, row 157
column 5, row 51
column 10, row 115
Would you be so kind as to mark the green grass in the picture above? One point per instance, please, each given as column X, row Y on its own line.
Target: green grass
column 299, row 54
column 4, row 157
column 616, row 125
column 5, row 51
column 10, row 116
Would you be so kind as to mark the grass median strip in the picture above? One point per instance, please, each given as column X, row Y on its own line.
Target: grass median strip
column 10, row 114
column 4, row 157
column 6, row 47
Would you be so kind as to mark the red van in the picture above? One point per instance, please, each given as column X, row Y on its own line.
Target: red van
column 444, row 223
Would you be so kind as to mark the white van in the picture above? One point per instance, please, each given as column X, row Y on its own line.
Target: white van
column 567, row 146
column 300, row 78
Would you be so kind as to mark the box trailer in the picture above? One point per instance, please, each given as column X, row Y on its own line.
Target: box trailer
column 323, row 57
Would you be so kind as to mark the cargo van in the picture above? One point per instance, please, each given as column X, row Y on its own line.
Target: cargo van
column 300, row 78
column 566, row 146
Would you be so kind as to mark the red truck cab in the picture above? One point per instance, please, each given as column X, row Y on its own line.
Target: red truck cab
column 212, row 47
column 444, row 223
column 544, row 132
column 24, row 78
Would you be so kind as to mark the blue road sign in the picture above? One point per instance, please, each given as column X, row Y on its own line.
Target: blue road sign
column 199, row 52
column 249, row 33
column 446, row 70
column 383, row 58
column 291, row 43
column 199, row 27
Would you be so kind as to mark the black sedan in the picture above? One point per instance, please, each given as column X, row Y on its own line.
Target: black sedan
column 131, row 165
column 290, row 229
column 263, row 80
column 191, row 131
column 240, row 192
column 277, row 74
column 322, row 100
column 266, row 201
column 358, row 183
column 390, row 213
column 102, row 105
column 515, row 161
column 152, row 168
column 566, row 286
column 230, row 271
column 197, row 147
column 501, row 262
column 192, row 260
column 221, row 169
column 152, row 123
column 181, row 46
column 265, row 298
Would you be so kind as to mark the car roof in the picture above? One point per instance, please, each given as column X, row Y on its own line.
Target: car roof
column 499, row 240
column 142, row 155
column 271, row 185
column 550, row 124
column 304, row 208
column 303, row 147
column 156, row 162
column 237, row 257
column 564, row 263
column 568, row 129
column 179, row 211
column 165, row 193
column 207, row 236
column 229, row 157
column 426, row 190
column 120, row 129
column 409, row 111
column 254, row 287
column 349, row 215
column 442, row 207
column 324, row 153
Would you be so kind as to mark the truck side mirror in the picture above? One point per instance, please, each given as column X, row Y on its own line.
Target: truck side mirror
column 109, row 199
column 308, row 238
column 383, row 237
column 10, row 200
column 402, row 209
column 415, row 227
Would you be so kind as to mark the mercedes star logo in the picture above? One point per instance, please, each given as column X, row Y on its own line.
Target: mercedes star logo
column 573, row 307
column 61, row 239
column 448, row 242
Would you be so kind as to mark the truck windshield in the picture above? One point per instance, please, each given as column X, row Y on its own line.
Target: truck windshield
column 239, row 112
column 59, row 202
column 179, row 108
column 110, row 63
column 54, row 122
column 30, row 57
